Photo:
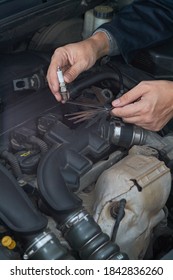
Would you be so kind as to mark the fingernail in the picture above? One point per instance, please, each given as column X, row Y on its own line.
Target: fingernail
column 116, row 102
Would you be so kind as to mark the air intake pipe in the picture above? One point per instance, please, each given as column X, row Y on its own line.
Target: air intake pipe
column 79, row 228
column 45, row 246
column 19, row 215
column 126, row 135
column 86, row 237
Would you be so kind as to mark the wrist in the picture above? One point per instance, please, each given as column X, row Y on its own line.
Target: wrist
column 100, row 44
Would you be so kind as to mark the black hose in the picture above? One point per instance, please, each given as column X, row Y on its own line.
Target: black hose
column 16, row 210
column 119, row 217
column 52, row 186
column 12, row 160
column 122, row 90
column 40, row 143
column 93, row 78
column 19, row 215
column 86, row 237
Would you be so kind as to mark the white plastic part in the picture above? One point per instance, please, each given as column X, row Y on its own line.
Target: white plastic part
column 144, row 209
column 92, row 22
column 102, row 14
column 98, row 22
column 88, row 24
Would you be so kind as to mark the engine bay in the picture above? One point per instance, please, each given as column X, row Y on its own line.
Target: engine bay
column 57, row 172
column 76, row 182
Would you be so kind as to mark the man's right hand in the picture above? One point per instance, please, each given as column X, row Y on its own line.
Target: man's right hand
column 75, row 58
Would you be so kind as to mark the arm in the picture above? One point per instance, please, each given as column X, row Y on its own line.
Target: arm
column 140, row 25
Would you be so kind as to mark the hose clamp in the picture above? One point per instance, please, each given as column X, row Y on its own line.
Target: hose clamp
column 38, row 243
column 74, row 220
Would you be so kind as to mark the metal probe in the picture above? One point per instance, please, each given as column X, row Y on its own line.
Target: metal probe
column 63, row 89
column 93, row 114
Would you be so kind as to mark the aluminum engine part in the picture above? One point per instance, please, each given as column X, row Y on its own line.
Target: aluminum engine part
column 144, row 182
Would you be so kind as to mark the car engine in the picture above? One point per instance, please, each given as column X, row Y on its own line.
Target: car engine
column 97, row 188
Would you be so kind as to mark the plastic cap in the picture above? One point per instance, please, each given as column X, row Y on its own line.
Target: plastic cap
column 8, row 242
column 104, row 12
column 12, row 245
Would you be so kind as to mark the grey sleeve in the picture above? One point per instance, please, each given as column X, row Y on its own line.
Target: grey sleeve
column 113, row 47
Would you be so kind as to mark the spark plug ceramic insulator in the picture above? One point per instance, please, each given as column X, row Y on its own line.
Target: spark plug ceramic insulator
column 63, row 89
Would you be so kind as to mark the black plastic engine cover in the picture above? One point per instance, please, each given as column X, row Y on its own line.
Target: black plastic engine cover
column 78, row 149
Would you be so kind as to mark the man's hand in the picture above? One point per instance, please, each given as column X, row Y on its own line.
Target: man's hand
column 75, row 58
column 149, row 105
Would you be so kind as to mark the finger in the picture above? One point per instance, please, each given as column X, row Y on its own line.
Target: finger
column 73, row 72
column 129, row 97
column 135, row 120
column 52, row 78
column 130, row 110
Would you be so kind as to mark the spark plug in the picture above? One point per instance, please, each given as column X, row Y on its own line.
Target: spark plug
column 63, row 89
